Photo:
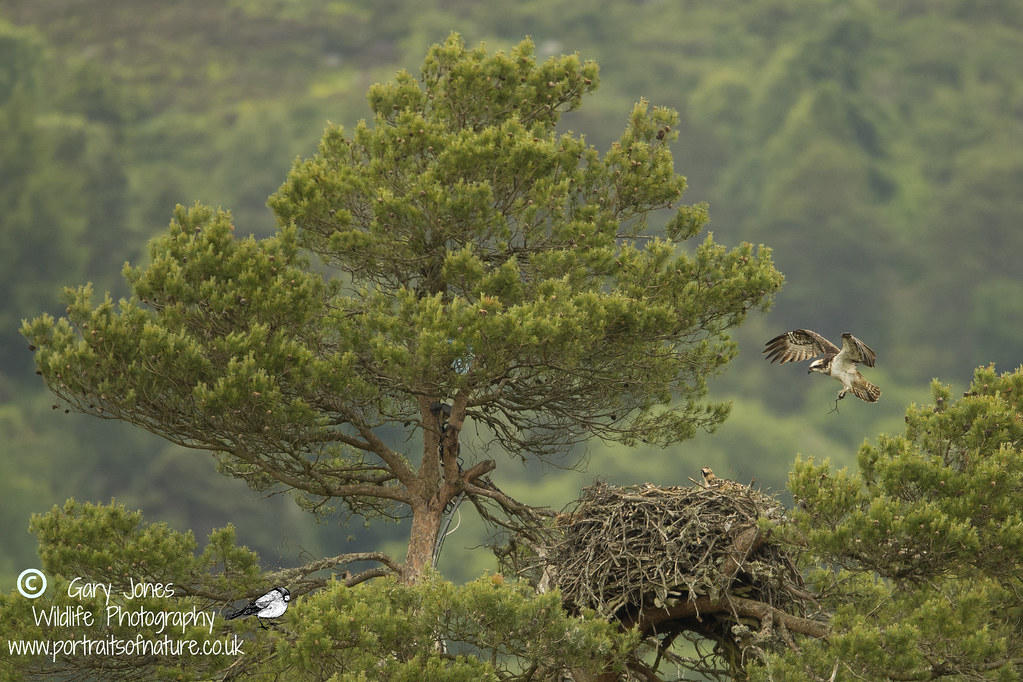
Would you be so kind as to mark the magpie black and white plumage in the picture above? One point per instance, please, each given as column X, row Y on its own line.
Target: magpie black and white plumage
column 837, row 363
column 271, row 605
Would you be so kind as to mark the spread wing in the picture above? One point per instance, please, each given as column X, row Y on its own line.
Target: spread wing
column 799, row 345
column 855, row 350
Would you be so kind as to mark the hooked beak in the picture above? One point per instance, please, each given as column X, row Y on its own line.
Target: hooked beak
column 809, row 371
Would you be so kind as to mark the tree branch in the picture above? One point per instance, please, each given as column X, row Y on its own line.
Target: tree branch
column 649, row 619
column 300, row 574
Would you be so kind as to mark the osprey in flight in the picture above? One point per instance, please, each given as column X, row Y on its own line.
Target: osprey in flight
column 838, row 363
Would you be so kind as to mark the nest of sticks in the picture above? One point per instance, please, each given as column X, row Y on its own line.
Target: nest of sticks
column 637, row 546
column 676, row 560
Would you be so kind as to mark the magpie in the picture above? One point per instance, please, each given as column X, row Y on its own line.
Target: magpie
column 271, row 605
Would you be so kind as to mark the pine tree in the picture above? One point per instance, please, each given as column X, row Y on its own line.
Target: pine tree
column 920, row 553
column 478, row 268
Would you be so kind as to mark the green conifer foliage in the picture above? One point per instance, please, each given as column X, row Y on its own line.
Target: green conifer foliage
column 920, row 553
column 493, row 630
column 479, row 269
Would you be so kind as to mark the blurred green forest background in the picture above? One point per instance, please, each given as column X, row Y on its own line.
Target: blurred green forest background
column 875, row 146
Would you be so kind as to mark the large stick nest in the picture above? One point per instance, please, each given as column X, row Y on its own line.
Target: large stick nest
column 701, row 563
column 642, row 546
column 704, row 564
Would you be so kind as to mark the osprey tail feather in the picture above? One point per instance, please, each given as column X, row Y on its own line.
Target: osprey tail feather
column 864, row 390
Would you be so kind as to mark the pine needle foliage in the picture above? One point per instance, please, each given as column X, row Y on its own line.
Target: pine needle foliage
column 920, row 553
column 478, row 267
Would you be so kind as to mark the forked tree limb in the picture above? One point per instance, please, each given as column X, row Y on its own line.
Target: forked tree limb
column 649, row 619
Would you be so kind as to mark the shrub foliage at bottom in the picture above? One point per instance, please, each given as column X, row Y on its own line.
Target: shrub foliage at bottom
column 340, row 627
column 920, row 552
column 491, row 629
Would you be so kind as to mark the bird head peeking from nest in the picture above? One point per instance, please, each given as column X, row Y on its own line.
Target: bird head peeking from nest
column 712, row 481
column 709, row 479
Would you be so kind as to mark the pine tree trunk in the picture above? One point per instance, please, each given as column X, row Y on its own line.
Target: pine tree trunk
column 422, row 540
column 439, row 478
column 427, row 508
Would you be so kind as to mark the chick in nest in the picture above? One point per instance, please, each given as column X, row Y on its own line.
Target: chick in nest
column 712, row 481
